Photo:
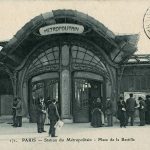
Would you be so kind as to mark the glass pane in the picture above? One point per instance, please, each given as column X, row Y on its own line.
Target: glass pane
column 50, row 56
column 90, row 53
column 37, row 63
column 74, row 54
column 39, row 66
column 43, row 59
column 87, row 57
column 79, row 60
column 74, row 48
column 86, row 62
column 49, row 51
column 81, row 93
column 80, row 55
column 82, row 49
column 52, row 62
column 96, row 58
column 56, row 54
column 56, row 49
column 41, row 55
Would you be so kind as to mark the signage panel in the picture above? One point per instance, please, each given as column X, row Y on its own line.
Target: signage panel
column 61, row 28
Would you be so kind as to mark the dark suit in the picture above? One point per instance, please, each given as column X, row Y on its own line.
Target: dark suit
column 147, row 112
column 122, row 113
column 53, row 117
column 41, row 114
column 142, row 112
column 14, row 112
column 130, row 107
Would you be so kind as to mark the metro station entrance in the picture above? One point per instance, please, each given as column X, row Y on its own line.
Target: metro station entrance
column 85, row 92
column 46, row 88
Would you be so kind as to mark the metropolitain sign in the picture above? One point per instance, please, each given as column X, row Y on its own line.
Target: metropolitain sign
column 61, row 28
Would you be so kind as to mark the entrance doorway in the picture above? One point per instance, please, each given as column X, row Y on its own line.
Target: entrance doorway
column 48, row 89
column 85, row 92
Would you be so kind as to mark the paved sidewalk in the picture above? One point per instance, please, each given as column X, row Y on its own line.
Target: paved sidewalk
column 76, row 136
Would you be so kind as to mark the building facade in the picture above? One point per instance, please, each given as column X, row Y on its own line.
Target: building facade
column 66, row 55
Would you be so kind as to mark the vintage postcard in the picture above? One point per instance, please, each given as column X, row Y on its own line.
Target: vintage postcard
column 75, row 74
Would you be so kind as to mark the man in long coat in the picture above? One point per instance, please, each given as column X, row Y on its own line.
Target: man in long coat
column 41, row 114
column 130, row 107
column 53, row 116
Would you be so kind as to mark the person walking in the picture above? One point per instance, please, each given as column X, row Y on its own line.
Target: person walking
column 109, row 112
column 141, row 111
column 41, row 114
column 122, row 112
column 19, row 113
column 130, row 107
column 53, row 116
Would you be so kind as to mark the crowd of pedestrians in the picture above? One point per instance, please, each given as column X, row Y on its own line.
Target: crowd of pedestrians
column 125, row 111
column 100, row 113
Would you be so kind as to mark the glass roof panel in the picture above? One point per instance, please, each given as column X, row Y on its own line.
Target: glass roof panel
column 50, row 56
column 48, row 51
column 56, row 49
column 74, row 47
column 88, row 57
column 82, row 49
column 79, row 60
column 80, row 55
column 90, row 53
column 56, row 54
column 41, row 55
column 86, row 62
column 43, row 59
column 37, row 63
column 74, row 53
column 52, row 62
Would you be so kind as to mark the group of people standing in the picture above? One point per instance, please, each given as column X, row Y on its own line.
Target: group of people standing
column 126, row 111
column 99, row 112
column 17, row 112
column 53, row 115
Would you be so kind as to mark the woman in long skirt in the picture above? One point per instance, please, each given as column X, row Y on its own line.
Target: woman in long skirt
column 96, row 120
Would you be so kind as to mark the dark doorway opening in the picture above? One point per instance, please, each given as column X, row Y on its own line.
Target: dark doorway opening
column 85, row 92
column 48, row 89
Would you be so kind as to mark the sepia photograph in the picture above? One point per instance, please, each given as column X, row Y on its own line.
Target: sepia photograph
column 74, row 75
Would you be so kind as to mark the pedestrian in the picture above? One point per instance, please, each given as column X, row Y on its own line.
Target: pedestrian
column 147, row 111
column 141, row 111
column 53, row 116
column 14, row 111
column 96, row 120
column 41, row 114
column 130, row 107
column 109, row 112
column 122, row 112
column 19, row 113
